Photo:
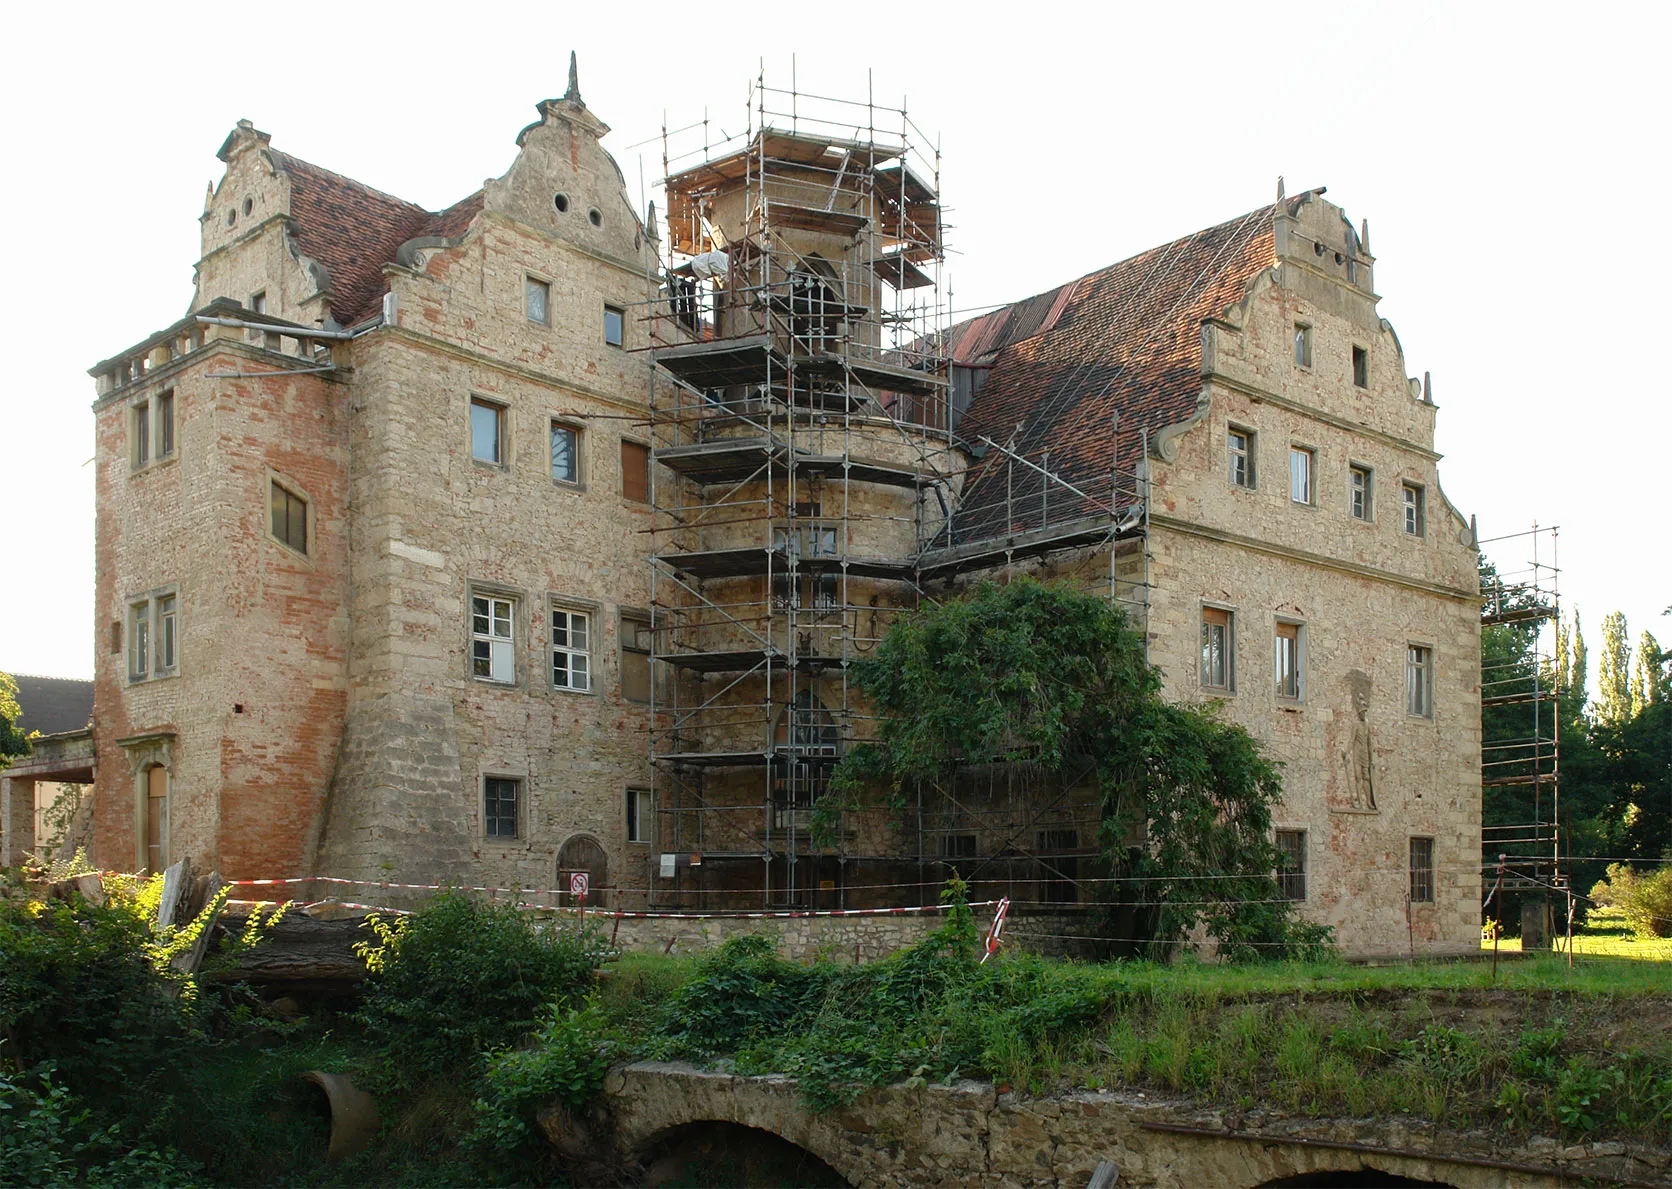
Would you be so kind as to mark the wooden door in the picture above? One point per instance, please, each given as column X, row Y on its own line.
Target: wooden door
column 156, row 818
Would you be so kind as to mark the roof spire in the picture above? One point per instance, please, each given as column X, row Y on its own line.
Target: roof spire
column 1280, row 187
column 573, row 94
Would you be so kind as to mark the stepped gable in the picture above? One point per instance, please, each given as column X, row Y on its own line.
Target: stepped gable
column 1125, row 339
column 354, row 230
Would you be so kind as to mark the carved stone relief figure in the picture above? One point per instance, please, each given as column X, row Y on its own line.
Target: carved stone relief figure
column 1357, row 757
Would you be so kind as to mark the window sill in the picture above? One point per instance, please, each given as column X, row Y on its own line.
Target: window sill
column 494, row 682
column 578, row 486
column 574, row 693
column 485, row 465
column 156, row 464
column 153, row 678
column 1292, row 705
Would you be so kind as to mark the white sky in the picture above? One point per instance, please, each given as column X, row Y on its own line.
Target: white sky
column 1511, row 160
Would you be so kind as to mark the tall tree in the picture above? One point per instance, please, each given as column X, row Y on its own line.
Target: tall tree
column 1614, row 671
column 13, row 742
column 1645, row 674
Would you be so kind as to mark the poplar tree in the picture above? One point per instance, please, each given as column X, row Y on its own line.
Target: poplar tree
column 1614, row 671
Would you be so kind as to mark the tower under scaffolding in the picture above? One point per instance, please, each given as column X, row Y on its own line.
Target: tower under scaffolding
column 809, row 491
column 1520, row 753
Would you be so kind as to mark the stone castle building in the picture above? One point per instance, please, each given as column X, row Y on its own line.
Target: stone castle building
column 533, row 536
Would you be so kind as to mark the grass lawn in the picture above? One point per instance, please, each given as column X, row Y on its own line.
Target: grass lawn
column 1606, row 935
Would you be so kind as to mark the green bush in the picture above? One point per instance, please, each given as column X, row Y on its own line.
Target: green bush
column 48, row 1137
column 459, row 978
column 565, row 1062
column 1645, row 898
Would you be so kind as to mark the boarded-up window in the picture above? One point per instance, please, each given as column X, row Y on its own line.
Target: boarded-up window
column 156, row 818
column 635, row 471
column 635, row 657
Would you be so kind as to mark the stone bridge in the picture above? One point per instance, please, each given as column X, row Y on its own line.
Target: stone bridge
column 968, row 1133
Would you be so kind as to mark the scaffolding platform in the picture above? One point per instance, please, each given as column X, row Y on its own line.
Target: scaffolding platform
column 733, row 460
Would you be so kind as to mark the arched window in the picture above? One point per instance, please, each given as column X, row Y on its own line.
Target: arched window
column 805, row 728
column 584, row 853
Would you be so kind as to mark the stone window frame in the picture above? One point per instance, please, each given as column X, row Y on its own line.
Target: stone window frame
column 1311, row 453
column 478, row 588
column 582, row 470
column 1361, row 366
column 1369, row 472
column 145, row 609
column 532, row 277
column 1250, row 457
column 1422, row 877
column 1304, row 345
column 1407, row 489
column 310, row 519
column 1428, row 673
column 593, row 610
column 1229, row 689
column 519, row 822
column 638, row 615
column 620, row 344
column 151, row 749
column 639, row 815
column 1289, row 878
column 145, row 429
column 503, row 409
column 1298, row 698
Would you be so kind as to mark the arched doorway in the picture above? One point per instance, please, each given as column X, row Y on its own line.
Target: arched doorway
column 155, row 786
column 1361, row 1178
column 584, row 853
column 734, row 1156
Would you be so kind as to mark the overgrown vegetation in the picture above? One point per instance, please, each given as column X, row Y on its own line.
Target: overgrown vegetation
column 1037, row 674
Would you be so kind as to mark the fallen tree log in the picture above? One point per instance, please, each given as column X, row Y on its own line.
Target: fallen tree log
column 301, row 953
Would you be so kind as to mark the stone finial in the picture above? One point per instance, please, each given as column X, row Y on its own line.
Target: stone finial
column 1280, row 187
column 1427, row 388
column 208, row 195
column 1364, row 235
column 650, row 222
column 573, row 94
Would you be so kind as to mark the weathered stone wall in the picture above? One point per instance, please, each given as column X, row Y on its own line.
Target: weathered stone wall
column 969, row 1133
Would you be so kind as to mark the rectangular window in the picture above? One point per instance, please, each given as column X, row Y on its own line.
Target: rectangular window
column 487, row 432
column 493, row 652
column 166, row 635
column 165, row 425
column 1061, row 866
column 499, row 811
column 1422, row 870
column 635, row 471
column 635, row 657
column 614, row 324
column 566, row 453
column 1361, row 367
column 1303, row 345
column 1287, row 661
column 1358, row 491
column 290, row 518
column 571, row 649
column 537, row 297
column 1218, row 668
column 1414, row 524
column 957, row 846
column 142, row 433
column 1300, row 474
column 638, row 815
column 139, row 639
column 258, row 302
column 1241, row 445
column 1291, row 875
column 1419, row 681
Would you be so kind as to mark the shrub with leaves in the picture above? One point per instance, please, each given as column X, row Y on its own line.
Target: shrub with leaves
column 460, row 977
column 49, row 1137
column 564, row 1062
column 1644, row 897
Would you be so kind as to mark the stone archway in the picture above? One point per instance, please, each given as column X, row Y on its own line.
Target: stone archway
column 1348, row 1179
column 583, row 852
column 719, row 1153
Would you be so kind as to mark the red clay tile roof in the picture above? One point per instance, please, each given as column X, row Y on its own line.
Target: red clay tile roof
column 354, row 230
column 1126, row 340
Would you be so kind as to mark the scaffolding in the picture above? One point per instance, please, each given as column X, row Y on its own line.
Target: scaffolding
column 1523, row 756
column 807, row 492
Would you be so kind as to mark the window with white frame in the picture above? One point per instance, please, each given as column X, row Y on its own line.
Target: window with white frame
column 566, row 452
column 1415, row 522
column 1303, row 345
column 493, row 638
column 615, row 324
column 571, row 649
column 139, row 641
column 168, row 638
column 1287, row 660
column 1240, row 445
column 639, row 815
column 1359, row 491
column 1422, row 870
column 1419, row 681
column 1301, row 465
column 500, row 798
column 1291, row 874
column 1218, row 643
